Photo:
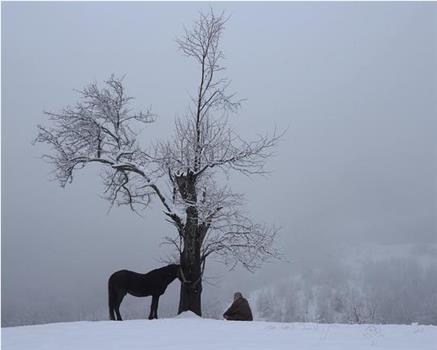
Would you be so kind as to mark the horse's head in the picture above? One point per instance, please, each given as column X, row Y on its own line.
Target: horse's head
column 174, row 270
column 181, row 275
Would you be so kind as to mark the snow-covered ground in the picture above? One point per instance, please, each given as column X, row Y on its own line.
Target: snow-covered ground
column 189, row 332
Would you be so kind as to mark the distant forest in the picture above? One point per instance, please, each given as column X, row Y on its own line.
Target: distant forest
column 398, row 291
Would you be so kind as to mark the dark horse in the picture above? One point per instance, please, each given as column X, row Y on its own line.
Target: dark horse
column 153, row 283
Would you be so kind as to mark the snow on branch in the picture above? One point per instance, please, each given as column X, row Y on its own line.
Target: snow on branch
column 236, row 240
column 204, row 138
column 100, row 129
column 204, row 142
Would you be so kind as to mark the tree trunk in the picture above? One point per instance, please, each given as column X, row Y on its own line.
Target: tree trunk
column 191, row 288
column 190, row 296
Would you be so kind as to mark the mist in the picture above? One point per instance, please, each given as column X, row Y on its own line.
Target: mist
column 353, row 181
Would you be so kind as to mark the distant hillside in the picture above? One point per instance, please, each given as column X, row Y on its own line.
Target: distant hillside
column 365, row 284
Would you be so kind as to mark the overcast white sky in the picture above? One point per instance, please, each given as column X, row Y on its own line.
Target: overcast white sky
column 355, row 83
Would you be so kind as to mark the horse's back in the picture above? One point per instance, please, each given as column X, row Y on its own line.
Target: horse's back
column 137, row 284
column 121, row 278
column 131, row 282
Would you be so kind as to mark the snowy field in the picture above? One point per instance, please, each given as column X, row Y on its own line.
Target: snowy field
column 200, row 334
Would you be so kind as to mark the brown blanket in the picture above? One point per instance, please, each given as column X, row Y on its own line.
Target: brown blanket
column 239, row 311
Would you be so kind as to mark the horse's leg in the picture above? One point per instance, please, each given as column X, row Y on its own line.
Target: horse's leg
column 156, row 306
column 117, row 306
column 111, row 301
column 111, row 313
column 153, row 307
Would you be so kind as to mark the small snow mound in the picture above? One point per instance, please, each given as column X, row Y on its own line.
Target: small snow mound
column 187, row 314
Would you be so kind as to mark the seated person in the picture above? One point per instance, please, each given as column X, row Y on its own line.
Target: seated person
column 239, row 310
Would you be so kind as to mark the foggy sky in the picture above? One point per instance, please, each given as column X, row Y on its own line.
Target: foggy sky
column 354, row 83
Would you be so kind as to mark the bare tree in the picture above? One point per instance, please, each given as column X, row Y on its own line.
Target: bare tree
column 182, row 173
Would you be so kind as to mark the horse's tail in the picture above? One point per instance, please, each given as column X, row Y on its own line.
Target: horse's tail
column 111, row 301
